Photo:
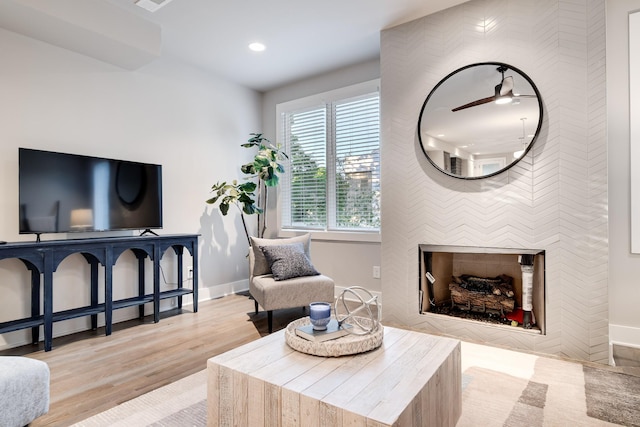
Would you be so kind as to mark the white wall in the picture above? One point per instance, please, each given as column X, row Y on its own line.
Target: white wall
column 348, row 263
column 190, row 122
column 624, row 267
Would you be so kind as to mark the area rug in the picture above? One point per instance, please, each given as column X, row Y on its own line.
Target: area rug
column 500, row 388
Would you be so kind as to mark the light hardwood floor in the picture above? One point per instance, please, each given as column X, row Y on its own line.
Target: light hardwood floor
column 91, row 372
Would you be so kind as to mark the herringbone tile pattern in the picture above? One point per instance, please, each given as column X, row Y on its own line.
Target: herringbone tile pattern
column 554, row 199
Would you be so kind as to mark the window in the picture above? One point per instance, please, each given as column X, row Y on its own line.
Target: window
column 489, row 166
column 332, row 178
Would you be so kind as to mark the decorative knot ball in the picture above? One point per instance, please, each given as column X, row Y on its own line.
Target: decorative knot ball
column 355, row 304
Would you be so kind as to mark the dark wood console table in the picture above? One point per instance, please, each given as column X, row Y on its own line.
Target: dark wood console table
column 43, row 258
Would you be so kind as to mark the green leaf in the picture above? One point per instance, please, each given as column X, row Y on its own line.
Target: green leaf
column 260, row 161
column 248, row 186
column 248, row 169
column 256, row 137
column 249, row 208
column 218, row 185
column 272, row 181
column 245, row 198
column 224, row 208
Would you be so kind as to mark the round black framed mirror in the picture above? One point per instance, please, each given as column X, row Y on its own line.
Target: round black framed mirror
column 480, row 120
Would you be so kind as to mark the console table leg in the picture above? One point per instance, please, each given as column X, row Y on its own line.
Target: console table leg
column 194, row 279
column 108, row 293
column 178, row 250
column 156, row 284
column 48, row 303
column 35, row 304
column 94, row 292
column 141, row 283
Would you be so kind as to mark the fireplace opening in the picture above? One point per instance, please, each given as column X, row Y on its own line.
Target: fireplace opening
column 498, row 286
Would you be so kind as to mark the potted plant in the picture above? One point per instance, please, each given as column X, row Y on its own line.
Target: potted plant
column 250, row 197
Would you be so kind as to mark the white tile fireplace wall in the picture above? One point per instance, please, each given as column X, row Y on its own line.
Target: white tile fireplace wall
column 555, row 199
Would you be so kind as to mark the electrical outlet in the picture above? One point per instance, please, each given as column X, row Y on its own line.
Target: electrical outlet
column 376, row 271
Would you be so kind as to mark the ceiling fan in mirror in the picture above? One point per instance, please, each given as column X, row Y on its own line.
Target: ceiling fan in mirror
column 503, row 92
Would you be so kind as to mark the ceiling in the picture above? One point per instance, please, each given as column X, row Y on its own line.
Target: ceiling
column 303, row 38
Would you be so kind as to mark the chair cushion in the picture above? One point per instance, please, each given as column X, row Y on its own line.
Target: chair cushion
column 296, row 292
column 260, row 265
column 288, row 261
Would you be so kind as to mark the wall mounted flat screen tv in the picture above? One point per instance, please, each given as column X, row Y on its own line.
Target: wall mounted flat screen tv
column 64, row 193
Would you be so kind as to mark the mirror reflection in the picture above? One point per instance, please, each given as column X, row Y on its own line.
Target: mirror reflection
column 480, row 120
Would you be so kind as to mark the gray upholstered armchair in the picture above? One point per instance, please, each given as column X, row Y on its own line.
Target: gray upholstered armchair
column 281, row 275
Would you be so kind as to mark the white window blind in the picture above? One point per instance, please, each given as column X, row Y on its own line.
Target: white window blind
column 332, row 178
column 305, row 186
column 357, row 163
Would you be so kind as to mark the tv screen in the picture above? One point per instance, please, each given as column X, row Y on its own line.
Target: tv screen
column 62, row 193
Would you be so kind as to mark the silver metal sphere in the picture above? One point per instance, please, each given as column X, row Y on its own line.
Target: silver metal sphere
column 366, row 316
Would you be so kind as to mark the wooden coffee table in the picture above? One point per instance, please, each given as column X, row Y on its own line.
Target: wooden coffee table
column 412, row 379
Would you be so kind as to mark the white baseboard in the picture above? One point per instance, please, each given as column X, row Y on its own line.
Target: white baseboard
column 624, row 335
column 217, row 291
column 339, row 289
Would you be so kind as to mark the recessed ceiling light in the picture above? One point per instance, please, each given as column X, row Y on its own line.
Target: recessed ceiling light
column 257, row 47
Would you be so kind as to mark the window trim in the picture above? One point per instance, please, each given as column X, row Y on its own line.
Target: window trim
column 306, row 102
column 338, row 236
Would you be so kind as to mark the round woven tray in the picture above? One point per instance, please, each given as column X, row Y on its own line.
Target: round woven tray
column 343, row 346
